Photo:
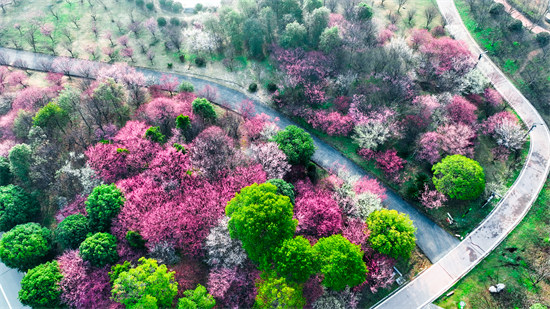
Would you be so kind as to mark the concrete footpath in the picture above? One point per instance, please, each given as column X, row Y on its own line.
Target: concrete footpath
column 433, row 282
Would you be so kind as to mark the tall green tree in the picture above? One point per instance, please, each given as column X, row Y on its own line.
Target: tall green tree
column 99, row 249
column 274, row 292
column 204, row 109
column 317, row 22
column 148, row 281
column 196, row 299
column 261, row 219
column 102, row 205
column 16, row 207
column 40, row 286
column 72, row 231
column 20, row 162
column 296, row 143
column 459, row 177
column 391, row 233
column 294, row 35
column 51, row 117
column 255, row 38
column 25, row 246
column 341, row 262
column 330, row 40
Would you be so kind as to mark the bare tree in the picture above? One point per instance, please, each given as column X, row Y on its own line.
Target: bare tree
column 410, row 17
column 31, row 36
column 74, row 19
column 400, row 4
column 53, row 11
column 430, row 13
column 67, row 33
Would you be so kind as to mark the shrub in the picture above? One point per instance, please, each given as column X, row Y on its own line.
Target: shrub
column 261, row 219
column 496, row 9
column 102, row 205
column 295, row 259
column 296, row 143
column 183, row 123
column 16, row 207
column 197, row 298
column 341, row 262
column 161, row 21
column 391, row 233
column 169, row 65
column 147, row 281
column 140, row 3
column 154, row 135
column 150, row 6
column 253, row 87
column 283, row 188
column 72, row 231
column 364, row 11
column 204, row 109
column 198, row 7
column 174, row 21
column 543, row 38
column 200, row 62
column 271, row 87
column 135, row 240
column 40, row 286
column 515, row 26
column 459, row 177
column 25, row 246
column 99, row 249
column 186, row 87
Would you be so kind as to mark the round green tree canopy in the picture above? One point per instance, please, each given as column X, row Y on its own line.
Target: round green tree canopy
column 99, row 249
column 25, row 246
column 261, row 219
column 459, row 177
column 391, row 233
column 40, row 286
column 295, row 259
column 283, row 188
column 72, row 231
column 102, row 205
column 341, row 262
column 296, row 143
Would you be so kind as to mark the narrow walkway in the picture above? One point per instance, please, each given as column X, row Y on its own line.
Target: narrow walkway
column 434, row 241
column 513, row 207
column 527, row 23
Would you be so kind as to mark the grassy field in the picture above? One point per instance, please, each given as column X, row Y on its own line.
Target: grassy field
column 417, row 8
column 520, row 262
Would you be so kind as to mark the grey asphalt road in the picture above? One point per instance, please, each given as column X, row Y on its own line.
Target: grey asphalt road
column 441, row 276
column 10, row 284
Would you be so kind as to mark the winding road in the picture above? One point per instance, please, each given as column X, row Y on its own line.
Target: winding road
column 512, row 208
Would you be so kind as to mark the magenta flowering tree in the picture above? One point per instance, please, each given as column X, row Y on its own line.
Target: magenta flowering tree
column 17, row 78
column 370, row 185
column 332, row 123
column 457, row 139
column 83, row 286
column 490, row 124
column 247, row 109
column 429, row 147
column 390, row 163
column 432, row 198
column 234, row 287
column 461, row 110
column 356, row 231
column 169, row 83
column 208, row 92
column 318, row 213
column 493, row 98
column 427, row 104
column 127, row 52
column 380, row 273
column 253, row 126
column 212, row 151
column 123, row 40
column 273, row 160
column 162, row 112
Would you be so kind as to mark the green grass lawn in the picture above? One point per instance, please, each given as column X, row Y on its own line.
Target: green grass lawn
column 381, row 13
column 519, row 261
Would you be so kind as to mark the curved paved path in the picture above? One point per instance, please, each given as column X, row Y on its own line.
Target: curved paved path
column 527, row 23
column 513, row 207
column 431, row 238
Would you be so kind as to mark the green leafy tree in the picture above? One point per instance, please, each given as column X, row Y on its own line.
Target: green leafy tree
column 292, row 8
column 186, row 87
column 51, row 116
column 197, row 299
column 147, row 280
column 117, row 269
column 391, row 233
column 16, row 207
column 317, row 22
column 183, row 123
column 330, row 40
column 20, row 162
column 294, row 35
column 274, row 292
column 255, row 38
column 72, row 231
column 5, row 174
column 99, row 249
column 296, row 143
column 102, row 205
column 310, row 5
column 364, row 11
column 204, row 109
column 284, row 188
column 261, row 219
column 135, row 239
column 341, row 262
column 459, row 177
column 232, row 23
column 40, row 286
column 153, row 134
column 295, row 259
column 25, row 246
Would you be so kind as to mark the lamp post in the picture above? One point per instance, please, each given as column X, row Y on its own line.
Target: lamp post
column 534, row 125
